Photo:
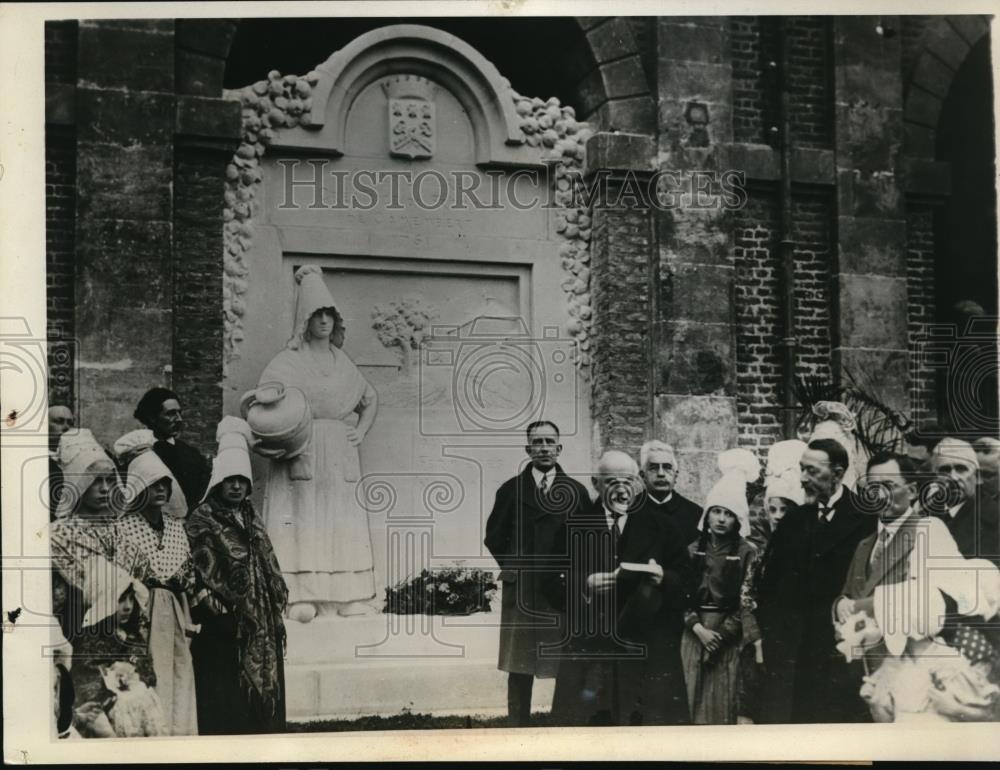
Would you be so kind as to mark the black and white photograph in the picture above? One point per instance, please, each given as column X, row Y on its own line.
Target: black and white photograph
column 480, row 381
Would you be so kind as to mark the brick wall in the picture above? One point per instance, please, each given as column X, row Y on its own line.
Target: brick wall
column 60, row 51
column 813, row 233
column 752, row 42
column 753, row 45
column 810, row 81
column 60, row 258
column 621, row 354
column 760, row 327
column 920, row 307
column 197, row 291
column 60, row 215
column 759, row 321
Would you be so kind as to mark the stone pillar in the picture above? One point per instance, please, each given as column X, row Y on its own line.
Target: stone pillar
column 695, row 360
column 621, row 244
column 869, row 275
column 125, row 129
column 208, row 131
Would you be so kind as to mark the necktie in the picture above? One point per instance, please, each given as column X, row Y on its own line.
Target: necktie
column 615, row 532
column 543, row 487
column 880, row 544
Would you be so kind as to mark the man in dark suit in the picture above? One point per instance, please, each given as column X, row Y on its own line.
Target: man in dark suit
column 521, row 533
column 658, row 469
column 969, row 510
column 625, row 588
column 806, row 679
column 160, row 411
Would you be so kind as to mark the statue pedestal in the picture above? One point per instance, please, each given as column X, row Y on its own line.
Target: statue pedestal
column 378, row 665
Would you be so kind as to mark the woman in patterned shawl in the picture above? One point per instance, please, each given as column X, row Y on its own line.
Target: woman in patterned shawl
column 167, row 571
column 238, row 654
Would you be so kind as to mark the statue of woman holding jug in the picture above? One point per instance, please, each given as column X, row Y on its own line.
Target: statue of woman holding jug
column 310, row 412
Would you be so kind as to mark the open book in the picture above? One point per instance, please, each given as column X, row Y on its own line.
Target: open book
column 634, row 566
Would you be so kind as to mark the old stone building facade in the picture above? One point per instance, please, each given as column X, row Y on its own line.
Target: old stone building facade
column 866, row 144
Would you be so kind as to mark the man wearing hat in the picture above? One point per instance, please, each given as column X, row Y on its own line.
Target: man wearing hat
column 160, row 411
column 971, row 516
column 658, row 469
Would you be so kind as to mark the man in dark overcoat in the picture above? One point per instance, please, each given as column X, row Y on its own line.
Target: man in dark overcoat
column 522, row 533
column 625, row 588
column 658, row 469
column 806, row 679
column 159, row 410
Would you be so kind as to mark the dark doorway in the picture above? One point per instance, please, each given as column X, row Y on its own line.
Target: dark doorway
column 966, row 270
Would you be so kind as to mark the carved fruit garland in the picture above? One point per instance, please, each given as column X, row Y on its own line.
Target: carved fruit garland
column 562, row 138
column 277, row 102
column 286, row 101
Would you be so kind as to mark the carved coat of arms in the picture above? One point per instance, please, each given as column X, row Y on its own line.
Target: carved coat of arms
column 412, row 126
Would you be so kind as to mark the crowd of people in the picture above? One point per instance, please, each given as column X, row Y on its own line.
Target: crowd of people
column 165, row 585
column 829, row 586
column 790, row 596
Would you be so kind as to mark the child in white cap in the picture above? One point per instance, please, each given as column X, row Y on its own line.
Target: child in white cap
column 717, row 623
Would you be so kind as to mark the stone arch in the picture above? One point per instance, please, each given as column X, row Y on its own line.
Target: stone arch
column 615, row 90
column 201, row 47
column 419, row 50
column 945, row 44
column 605, row 66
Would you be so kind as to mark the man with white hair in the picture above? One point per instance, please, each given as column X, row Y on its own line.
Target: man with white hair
column 971, row 516
column 625, row 589
column 658, row 469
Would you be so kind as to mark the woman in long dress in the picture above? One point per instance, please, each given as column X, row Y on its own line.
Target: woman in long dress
column 238, row 652
column 717, row 622
column 167, row 571
column 316, row 522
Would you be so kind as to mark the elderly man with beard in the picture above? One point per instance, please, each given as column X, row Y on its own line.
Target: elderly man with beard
column 806, row 680
column 625, row 589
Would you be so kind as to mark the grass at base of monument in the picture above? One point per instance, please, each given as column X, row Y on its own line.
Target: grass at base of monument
column 407, row 721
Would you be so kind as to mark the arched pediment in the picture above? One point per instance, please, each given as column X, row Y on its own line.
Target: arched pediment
column 423, row 52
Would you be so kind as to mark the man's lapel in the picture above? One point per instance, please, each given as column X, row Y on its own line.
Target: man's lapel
column 844, row 522
column 885, row 568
